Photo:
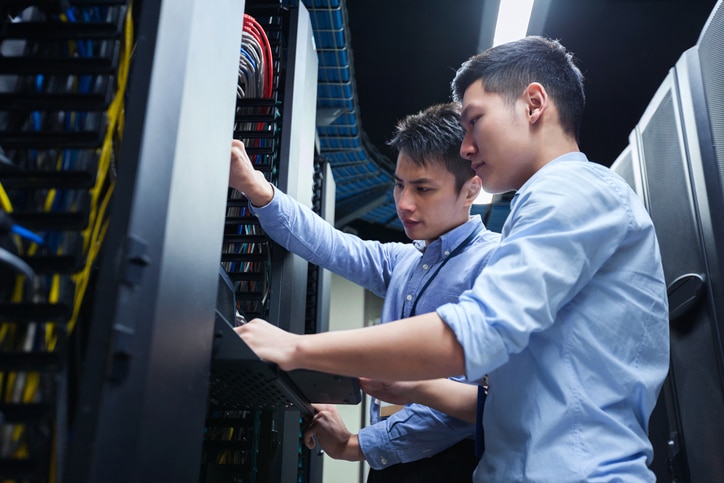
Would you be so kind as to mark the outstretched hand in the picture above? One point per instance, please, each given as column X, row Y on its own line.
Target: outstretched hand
column 270, row 342
column 332, row 435
column 245, row 178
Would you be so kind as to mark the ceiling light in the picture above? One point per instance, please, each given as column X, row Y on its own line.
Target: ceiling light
column 513, row 19
column 512, row 24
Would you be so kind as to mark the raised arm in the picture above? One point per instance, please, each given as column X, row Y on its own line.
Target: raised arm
column 298, row 229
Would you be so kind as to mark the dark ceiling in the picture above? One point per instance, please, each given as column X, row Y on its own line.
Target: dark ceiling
column 405, row 53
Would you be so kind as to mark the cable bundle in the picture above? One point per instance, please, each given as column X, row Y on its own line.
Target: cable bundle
column 245, row 253
column 256, row 68
column 246, row 257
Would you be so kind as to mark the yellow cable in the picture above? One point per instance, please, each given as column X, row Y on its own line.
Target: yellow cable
column 12, row 377
column 95, row 232
column 5, row 200
column 49, row 199
column 50, row 329
column 92, row 238
column 83, row 278
column 32, row 383
column 18, row 291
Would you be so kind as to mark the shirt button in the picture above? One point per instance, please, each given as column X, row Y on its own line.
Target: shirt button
column 425, row 266
column 447, row 253
column 383, row 461
column 409, row 297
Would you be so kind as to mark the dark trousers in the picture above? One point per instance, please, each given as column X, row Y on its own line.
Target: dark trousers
column 454, row 465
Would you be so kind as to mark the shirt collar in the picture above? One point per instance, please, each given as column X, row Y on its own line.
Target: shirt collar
column 450, row 240
column 572, row 156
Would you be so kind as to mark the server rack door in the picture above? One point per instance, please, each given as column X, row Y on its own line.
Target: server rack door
column 143, row 396
column 693, row 391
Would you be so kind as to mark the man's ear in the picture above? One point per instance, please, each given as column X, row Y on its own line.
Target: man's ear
column 471, row 189
column 536, row 98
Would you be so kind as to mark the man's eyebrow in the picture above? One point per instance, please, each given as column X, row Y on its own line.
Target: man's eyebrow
column 465, row 113
column 416, row 181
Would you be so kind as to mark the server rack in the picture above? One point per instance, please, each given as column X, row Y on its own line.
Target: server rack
column 151, row 332
column 279, row 132
column 138, row 406
column 675, row 162
column 319, row 283
column 63, row 74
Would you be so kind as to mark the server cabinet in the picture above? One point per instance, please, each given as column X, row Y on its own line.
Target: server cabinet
column 70, row 125
column 143, row 405
column 675, row 163
column 142, row 401
column 250, row 440
column 62, row 85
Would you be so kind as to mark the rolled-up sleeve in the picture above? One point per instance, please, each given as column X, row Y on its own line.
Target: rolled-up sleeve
column 543, row 261
column 413, row 433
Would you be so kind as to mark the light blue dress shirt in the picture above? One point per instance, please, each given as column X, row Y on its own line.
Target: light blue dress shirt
column 397, row 272
column 570, row 321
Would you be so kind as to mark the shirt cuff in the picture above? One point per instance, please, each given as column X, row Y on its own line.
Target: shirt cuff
column 372, row 441
column 483, row 352
column 254, row 209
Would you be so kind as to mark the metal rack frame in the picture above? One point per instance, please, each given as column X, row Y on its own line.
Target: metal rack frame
column 156, row 286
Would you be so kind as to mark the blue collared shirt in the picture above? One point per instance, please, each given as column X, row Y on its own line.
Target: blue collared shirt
column 570, row 321
column 397, row 272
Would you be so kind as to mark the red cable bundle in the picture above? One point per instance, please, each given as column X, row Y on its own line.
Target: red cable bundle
column 254, row 28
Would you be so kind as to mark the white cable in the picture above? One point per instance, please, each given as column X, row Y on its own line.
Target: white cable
column 17, row 263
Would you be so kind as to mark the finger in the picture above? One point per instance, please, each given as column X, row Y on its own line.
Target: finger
column 236, row 147
column 308, row 437
column 309, row 441
column 308, row 422
column 323, row 407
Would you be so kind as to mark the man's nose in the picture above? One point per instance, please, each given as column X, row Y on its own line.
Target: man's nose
column 467, row 148
column 405, row 200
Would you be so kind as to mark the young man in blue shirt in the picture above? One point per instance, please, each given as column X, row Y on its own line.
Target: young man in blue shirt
column 434, row 190
column 570, row 316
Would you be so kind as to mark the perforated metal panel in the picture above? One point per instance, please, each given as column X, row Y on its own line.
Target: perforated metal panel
column 711, row 53
column 668, row 140
column 668, row 186
column 256, row 387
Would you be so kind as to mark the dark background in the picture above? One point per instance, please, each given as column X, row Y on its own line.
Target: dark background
column 405, row 53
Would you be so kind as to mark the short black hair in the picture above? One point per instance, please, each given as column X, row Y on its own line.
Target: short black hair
column 508, row 69
column 433, row 135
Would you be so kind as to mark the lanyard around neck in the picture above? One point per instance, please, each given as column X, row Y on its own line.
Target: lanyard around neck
column 458, row 250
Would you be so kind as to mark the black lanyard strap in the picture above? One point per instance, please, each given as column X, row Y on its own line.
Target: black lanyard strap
column 458, row 250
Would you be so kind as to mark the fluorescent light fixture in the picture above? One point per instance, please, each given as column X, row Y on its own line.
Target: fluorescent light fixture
column 513, row 19
column 512, row 24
